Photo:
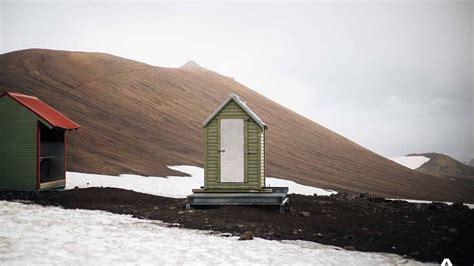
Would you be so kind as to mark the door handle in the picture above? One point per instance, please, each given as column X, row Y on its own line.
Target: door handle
column 221, row 150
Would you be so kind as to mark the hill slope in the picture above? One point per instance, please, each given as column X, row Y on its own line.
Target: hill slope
column 138, row 118
column 443, row 165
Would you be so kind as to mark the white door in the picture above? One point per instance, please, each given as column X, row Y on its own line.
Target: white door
column 232, row 150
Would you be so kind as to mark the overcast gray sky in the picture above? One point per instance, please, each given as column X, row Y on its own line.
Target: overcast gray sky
column 396, row 78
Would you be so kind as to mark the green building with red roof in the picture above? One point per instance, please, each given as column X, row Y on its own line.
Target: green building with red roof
column 32, row 143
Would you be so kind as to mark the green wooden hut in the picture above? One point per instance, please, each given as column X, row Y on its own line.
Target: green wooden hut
column 234, row 160
column 32, row 143
column 234, row 148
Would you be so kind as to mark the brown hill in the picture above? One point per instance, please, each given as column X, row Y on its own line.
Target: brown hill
column 138, row 118
column 443, row 165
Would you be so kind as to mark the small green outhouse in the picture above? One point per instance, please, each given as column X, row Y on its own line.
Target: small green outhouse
column 234, row 160
column 234, row 148
column 32, row 143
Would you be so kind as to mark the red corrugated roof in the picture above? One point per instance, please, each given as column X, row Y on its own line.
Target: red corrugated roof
column 43, row 110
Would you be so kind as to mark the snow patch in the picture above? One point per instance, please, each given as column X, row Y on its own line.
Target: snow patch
column 471, row 206
column 297, row 188
column 412, row 162
column 32, row 234
column 171, row 186
column 181, row 186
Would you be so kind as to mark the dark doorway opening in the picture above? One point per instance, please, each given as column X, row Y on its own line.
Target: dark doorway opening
column 51, row 154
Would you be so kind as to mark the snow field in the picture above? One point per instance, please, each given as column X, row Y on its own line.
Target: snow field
column 172, row 186
column 32, row 235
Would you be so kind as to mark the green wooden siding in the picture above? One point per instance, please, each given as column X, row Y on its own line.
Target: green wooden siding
column 17, row 146
column 262, row 158
column 253, row 168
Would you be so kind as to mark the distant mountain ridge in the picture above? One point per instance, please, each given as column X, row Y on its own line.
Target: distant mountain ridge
column 443, row 165
column 137, row 118
column 471, row 163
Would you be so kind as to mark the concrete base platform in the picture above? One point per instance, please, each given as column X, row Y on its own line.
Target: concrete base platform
column 51, row 185
column 270, row 196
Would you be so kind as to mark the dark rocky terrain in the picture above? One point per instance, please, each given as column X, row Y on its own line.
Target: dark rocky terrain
column 425, row 232
column 137, row 118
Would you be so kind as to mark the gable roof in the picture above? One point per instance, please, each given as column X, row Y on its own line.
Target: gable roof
column 44, row 111
column 234, row 97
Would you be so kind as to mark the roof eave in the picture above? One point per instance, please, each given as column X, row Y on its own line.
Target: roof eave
column 45, row 121
column 234, row 97
column 214, row 114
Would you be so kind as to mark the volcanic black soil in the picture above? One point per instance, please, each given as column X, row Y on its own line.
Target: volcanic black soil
column 425, row 232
